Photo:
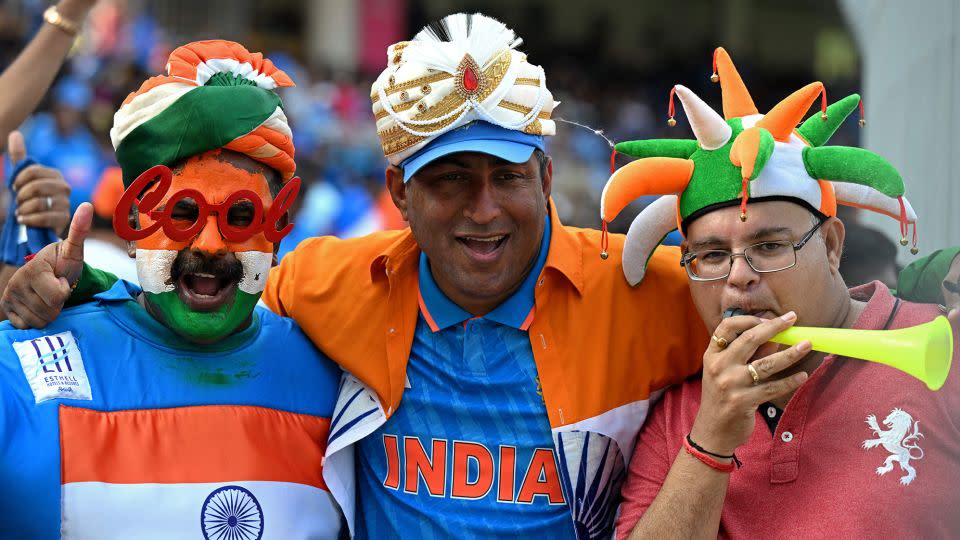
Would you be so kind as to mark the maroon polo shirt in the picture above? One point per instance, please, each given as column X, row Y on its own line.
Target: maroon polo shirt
column 862, row 450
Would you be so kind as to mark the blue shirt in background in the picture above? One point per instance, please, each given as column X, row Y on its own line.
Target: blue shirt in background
column 76, row 155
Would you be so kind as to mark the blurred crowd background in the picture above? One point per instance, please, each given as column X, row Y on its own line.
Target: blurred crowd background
column 610, row 64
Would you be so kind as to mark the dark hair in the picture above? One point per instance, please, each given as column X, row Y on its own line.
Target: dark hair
column 274, row 181
column 542, row 159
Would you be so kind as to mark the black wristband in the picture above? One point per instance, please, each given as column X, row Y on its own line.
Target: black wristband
column 699, row 448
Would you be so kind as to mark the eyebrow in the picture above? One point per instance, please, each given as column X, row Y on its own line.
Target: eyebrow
column 769, row 231
column 714, row 241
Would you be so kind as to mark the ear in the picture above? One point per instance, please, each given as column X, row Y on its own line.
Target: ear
column 397, row 189
column 134, row 224
column 282, row 222
column 548, row 178
column 833, row 233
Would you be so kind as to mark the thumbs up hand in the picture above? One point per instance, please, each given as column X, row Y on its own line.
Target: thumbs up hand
column 36, row 293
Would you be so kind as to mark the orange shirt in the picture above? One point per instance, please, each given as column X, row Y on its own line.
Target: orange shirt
column 603, row 349
column 598, row 343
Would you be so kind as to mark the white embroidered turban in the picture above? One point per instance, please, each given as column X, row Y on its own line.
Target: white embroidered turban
column 461, row 69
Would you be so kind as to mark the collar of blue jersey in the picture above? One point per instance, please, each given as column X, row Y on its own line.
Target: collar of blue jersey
column 515, row 311
column 120, row 300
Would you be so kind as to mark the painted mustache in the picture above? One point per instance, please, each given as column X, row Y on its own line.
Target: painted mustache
column 191, row 262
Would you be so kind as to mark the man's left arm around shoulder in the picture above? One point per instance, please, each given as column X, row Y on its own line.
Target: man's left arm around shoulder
column 677, row 321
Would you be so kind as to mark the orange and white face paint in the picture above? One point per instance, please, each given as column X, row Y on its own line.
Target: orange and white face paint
column 210, row 184
column 194, row 209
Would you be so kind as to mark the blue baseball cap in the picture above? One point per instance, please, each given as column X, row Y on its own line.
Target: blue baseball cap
column 483, row 137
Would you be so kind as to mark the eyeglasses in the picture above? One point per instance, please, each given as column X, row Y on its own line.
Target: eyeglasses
column 239, row 217
column 765, row 257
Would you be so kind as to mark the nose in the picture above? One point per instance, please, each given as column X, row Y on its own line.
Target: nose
column 742, row 275
column 210, row 240
column 484, row 206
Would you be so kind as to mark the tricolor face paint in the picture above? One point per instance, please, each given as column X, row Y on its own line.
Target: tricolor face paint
column 205, row 242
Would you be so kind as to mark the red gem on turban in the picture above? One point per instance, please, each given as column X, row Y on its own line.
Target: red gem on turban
column 470, row 82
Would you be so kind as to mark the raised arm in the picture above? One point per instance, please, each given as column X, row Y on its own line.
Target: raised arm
column 42, row 200
column 24, row 83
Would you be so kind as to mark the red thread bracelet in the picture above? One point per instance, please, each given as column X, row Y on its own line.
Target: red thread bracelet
column 707, row 460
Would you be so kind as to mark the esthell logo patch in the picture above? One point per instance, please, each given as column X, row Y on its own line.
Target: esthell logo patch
column 54, row 367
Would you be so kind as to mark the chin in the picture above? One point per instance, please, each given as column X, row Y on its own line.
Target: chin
column 203, row 327
column 484, row 285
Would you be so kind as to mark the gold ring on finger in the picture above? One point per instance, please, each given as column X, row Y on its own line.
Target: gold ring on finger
column 721, row 342
column 753, row 373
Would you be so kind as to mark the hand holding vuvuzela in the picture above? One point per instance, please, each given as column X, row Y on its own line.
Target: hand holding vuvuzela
column 734, row 384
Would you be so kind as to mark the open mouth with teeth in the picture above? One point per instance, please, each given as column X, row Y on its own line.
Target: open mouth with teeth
column 483, row 247
column 203, row 299
column 205, row 292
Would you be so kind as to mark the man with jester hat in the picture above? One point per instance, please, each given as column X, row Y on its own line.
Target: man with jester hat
column 179, row 410
column 773, row 441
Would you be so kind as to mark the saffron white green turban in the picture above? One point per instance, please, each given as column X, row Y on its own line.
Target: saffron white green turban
column 216, row 94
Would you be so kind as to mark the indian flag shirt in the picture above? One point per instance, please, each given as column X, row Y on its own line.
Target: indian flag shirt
column 114, row 427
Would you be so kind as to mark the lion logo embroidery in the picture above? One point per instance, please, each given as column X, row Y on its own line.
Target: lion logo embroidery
column 899, row 441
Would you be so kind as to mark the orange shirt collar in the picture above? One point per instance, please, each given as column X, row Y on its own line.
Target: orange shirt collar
column 566, row 253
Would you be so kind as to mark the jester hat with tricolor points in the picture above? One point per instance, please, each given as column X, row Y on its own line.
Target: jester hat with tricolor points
column 746, row 156
column 216, row 94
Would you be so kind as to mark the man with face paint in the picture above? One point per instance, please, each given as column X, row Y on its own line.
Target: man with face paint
column 178, row 411
column 203, row 298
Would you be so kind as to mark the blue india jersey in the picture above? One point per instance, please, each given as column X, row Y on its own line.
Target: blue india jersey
column 469, row 452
